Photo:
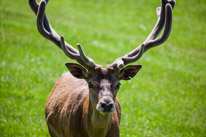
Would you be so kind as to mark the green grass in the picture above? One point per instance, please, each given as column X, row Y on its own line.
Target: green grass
column 166, row 98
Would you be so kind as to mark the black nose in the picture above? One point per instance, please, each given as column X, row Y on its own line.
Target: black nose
column 107, row 107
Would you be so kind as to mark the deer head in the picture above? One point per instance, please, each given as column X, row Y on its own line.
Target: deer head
column 104, row 83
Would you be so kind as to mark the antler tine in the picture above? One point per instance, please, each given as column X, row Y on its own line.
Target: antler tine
column 161, row 19
column 128, row 58
column 46, row 30
column 164, row 15
column 88, row 61
column 167, row 30
column 40, row 20
column 33, row 5
column 80, row 57
column 66, row 51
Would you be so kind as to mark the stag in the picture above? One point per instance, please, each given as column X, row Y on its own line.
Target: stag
column 83, row 101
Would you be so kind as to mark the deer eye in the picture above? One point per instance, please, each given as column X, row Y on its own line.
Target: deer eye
column 117, row 86
column 90, row 85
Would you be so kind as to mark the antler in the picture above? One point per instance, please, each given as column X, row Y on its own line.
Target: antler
column 46, row 30
column 164, row 15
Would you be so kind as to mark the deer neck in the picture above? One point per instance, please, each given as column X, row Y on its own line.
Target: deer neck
column 97, row 124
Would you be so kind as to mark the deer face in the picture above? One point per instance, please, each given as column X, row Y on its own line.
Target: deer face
column 103, row 87
column 103, row 84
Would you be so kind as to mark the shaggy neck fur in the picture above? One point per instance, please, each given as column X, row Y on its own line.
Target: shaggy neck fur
column 98, row 124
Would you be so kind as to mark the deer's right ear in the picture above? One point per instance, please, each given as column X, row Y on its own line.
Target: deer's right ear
column 129, row 72
column 77, row 70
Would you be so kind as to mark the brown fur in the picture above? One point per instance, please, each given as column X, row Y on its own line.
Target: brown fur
column 69, row 111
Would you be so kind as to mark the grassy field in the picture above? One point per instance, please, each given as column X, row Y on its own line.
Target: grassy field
column 167, row 97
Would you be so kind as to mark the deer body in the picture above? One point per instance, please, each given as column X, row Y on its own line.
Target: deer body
column 83, row 102
column 69, row 112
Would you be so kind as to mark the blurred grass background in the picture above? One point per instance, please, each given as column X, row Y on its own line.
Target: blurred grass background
column 166, row 98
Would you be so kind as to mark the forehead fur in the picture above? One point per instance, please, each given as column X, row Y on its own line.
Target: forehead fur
column 105, row 82
column 102, row 73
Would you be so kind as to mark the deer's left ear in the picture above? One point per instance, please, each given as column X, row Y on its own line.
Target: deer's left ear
column 129, row 72
column 77, row 70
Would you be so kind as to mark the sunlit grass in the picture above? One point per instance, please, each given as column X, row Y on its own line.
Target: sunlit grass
column 166, row 98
